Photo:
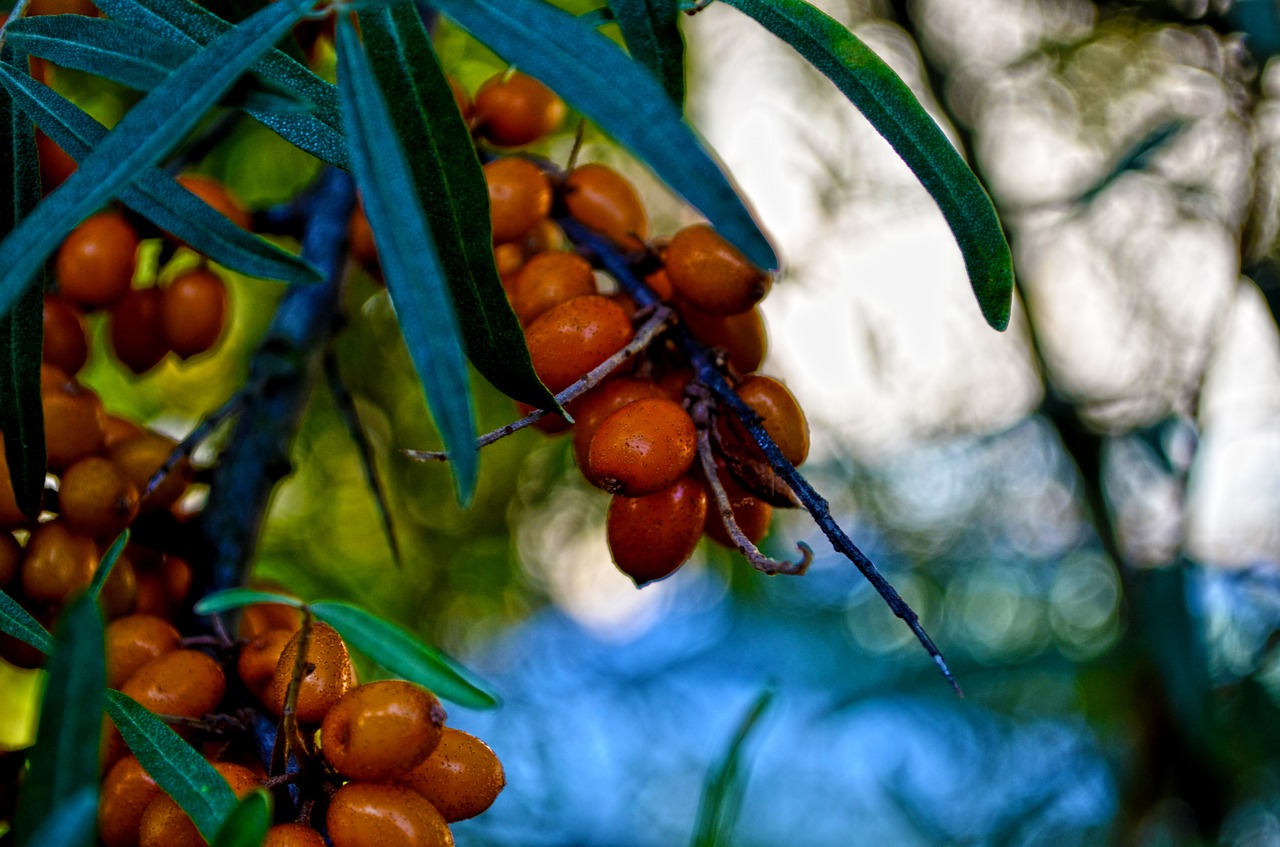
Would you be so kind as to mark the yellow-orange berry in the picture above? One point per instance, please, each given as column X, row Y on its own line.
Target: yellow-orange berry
column 193, row 311
column 548, row 279
column 74, row 421
column 519, row 197
column 650, row 537
column 66, row 346
column 292, row 835
column 514, row 109
column 546, row 235
column 783, row 419
column 571, row 339
column 381, row 730
column 117, row 429
column 590, row 410
column 95, row 263
column 711, row 274
column 96, row 498
column 606, row 201
column 258, row 660
column 181, row 682
column 219, row 196
column 164, row 824
column 741, row 336
column 461, row 778
column 137, row 330
column 368, row 814
column 55, row 163
column 11, row 516
column 140, row 456
column 643, row 448
column 10, row 558
column 126, row 792
column 330, row 678
column 264, row 617
column 57, row 563
column 120, row 591
column 133, row 641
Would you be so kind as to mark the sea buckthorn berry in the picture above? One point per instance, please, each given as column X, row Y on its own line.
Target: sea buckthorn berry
column 264, row 617
column 193, row 311
column 519, row 197
column 62, row 7
column 74, row 422
column 133, row 641
column 462, row 777
column 10, row 515
column 66, row 345
column 514, row 109
column 382, row 730
column 120, row 592
column 331, row 677
column 508, row 258
column 650, row 537
column 545, row 236
column 126, row 792
column 661, row 284
column 164, row 824
column 55, row 163
column 152, row 597
column 590, row 410
column 96, row 498
column 571, row 339
column 139, row 457
column 182, row 682
column 750, row 513
column 742, row 336
column 10, row 558
column 783, row 418
column 57, row 563
column 292, row 835
column 360, row 237
column 549, row 279
column 461, row 98
column 368, row 814
column 137, row 330
column 95, row 263
column 643, row 448
column 175, row 575
column 118, row 429
column 258, row 659
column 217, row 195
column 711, row 274
column 606, row 201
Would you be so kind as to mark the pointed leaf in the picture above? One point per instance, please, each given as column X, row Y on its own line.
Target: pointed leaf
column 18, row 622
column 64, row 761
column 410, row 261
column 894, row 111
column 722, row 790
column 248, row 823
column 177, row 768
column 405, row 655
column 238, row 598
column 652, row 32
column 108, row 563
column 598, row 79
column 71, row 822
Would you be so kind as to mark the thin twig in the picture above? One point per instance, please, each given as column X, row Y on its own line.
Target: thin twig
column 192, row 442
column 288, row 716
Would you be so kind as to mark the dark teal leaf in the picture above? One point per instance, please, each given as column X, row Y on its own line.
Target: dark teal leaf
column 73, row 821
column 893, row 110
column 723, row 789
column 108, row 563
column 238, row 598
column 652, row 32
column 146, row 133
column 410, row 261
column 596, row 18
column 452, row 191
column 1137, row 157
column 64, row 760
column 248, row 823
column 17, row 621
column 598, row 79
column 404, row 655
column 177, row 768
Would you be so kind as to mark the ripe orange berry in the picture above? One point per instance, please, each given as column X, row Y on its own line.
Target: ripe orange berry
column 741, row 336
column 783, row 418
column 292, row 835
column 461, row 778
column 519, row 197
column 120, row 591
column 55, row 163
column 711, row 274
column 259, row 658
column 382, row 730
column 193, row 311
column 140, row 456
column 331, row 677
column 643, row 448
column 606, row 201
column 118, row 429
column 661, row 284
column 164, row 824
column 571, row 339
column 515, row 109
column 219, row 196
column 95, row 263
column 508, row 258
column 750, row 513
column 96, row 498
column 57, row 563
column 590, row 410
column 126, row 792
column 135, row 640
column 545, row 236
column 264, row 617
column 137, row 330
column 549, row 279
column 74, row 421
column 651, row 536
column 11, row 516
column 10, row 558
column 62, row 7
column 366, row 814
column 66, row 346
column 360, row 236
column 182, row 682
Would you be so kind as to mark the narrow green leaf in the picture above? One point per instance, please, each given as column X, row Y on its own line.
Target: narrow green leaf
column 108, row 563
column 598, row 79
column 893, row 110
column 723, row 788
column 410, row 260
column 154, row 194
column 17, row 621
column 452, row 190
column 652, row 31
column 177, row 768
column 404, row 655
column 146, row 133
column 248, row 823
column 238, row 598
column 64, row 761
column 73, row 821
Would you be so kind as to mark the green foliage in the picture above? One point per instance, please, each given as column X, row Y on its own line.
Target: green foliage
column 652, row 32
column 238, row 598
column 248, row 822
column 107, row 564
column 70, row 822
column 17, row 621
column 722, row 792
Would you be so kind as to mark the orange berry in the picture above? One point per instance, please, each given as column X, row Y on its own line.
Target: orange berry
column 549, row 279
column 382, row 730
column 57, row 563
column 140, row 456
column 741, row 336
column 11, row 517
column 137, row 330
column 508, row 258
column 750, row 513
column 366, row 814
column 126, row 792
column 264, row 617
column 66, row 345
column 292, row 835
column 783, row 419
column 193, row 312
column 118, row 429
column 96, row 498
column 152, row 597
column 259, row 658
column 545, row 236
column 219, row 196
column 651, row 536
column 331, row 677
column 95, row 263
column 461, row 98
column 590, row 410
column 10, row 558
column 643, row 448
column 55, row 163
column 181, row 682
column 164, row 824
column 606, row 201
column 462, row 777
column 360, row 236
column 74, row 421
column 571, row 339
column 175, row 575
column 711, row 274
column 515, row 109
column 661, row 284
column 135, row 640
column 120, row 591
column 519, row 197
column 62, row 7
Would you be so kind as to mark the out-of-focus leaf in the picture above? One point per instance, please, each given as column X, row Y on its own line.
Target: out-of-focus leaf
column 147, row 132
column 177, row 768
column 1137, row 157
column 722, row 791
column 598, row 79
column 453, row 194
column 891, row 107
column 248, row 823
column 410, row 261
column 652, row 31
column 238, row 598
column 17, row 621
column 107, row 564
column 64, row 761
column 71, row 822
column 405, row 655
